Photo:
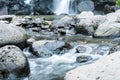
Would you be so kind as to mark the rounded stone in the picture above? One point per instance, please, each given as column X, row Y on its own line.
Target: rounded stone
column 13, row 62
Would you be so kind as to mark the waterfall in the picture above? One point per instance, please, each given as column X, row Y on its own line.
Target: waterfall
column 61, row 6
column 28, row 2
column 31, row 4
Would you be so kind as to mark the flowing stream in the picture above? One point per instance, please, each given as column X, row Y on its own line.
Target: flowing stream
column 56, row 66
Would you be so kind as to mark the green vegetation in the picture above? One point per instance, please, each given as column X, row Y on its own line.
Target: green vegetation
column 118, row 2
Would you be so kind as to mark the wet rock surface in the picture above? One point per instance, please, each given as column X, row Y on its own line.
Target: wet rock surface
column 13, row 62
column 107, row 68
column 47, row 48
column 83, row 58
column 114, row 49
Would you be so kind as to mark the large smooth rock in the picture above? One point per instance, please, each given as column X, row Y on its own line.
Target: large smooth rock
column 107, row 68
column 46, row 48
column 13, row 62
column 108, row 29
column 10, row 34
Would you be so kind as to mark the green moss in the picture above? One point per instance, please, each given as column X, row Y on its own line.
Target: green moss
column 25, row 37
column 118, row 2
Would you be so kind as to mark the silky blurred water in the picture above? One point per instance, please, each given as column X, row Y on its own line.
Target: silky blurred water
column 56, row 66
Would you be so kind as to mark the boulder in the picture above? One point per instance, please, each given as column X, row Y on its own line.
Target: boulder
column 88, row 22
column 108, row 29
column 13, row 62
column 85, row 24
column 97, row 20
column 83, row 49
column 46, row 48
column 107, row 68
column 63, row 25
column 63, row 22
column 11, row 34
column 85, row 14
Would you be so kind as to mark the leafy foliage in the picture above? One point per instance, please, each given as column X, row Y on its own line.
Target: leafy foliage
column 118, row 2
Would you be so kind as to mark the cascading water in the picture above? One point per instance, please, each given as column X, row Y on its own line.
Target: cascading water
column 55, row 67
column 31, row 4
column 28, row 1
column 61, row 6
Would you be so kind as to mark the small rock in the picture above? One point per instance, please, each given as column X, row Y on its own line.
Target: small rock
column 83, row 58
column 114, row 49
column 30, row 41
column 81, row 49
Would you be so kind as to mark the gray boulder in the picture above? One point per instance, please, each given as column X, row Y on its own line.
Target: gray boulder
column 83, row 58
column 63, row 25
column 108, row 29
column 10, row 34
column 46, row 48
column 107, row 68
column 13, row 63
column 85, row 25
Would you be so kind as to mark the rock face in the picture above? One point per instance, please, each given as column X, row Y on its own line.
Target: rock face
column 10, row 34
column 107, row 68
column 105, row 5
column 13, row 62
column 86, row 6
column 15, row 7
column 43, row 7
